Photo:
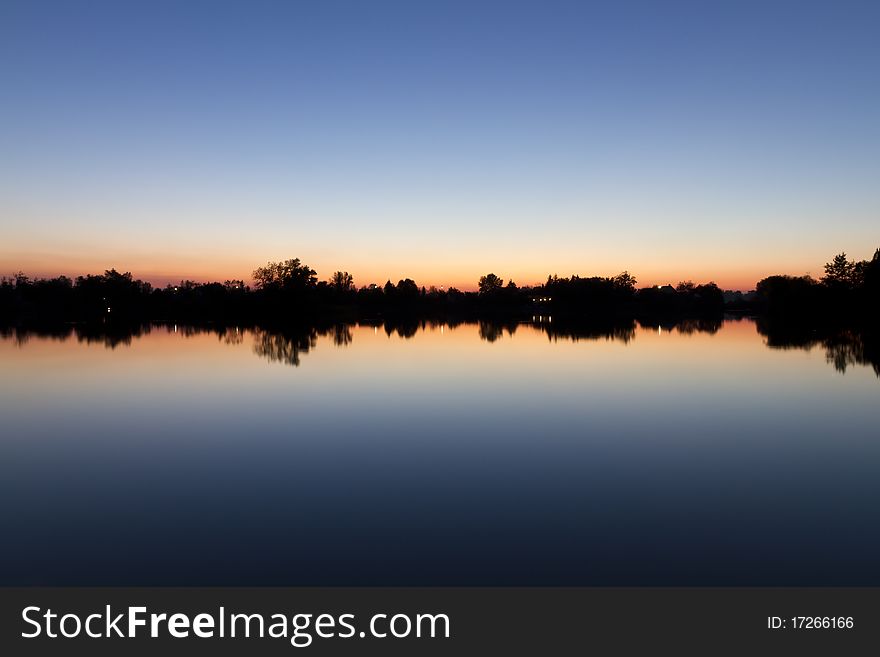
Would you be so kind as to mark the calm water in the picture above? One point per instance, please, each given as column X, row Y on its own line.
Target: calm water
column 473, row 454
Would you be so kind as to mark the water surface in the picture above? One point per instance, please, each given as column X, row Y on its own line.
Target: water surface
column 528, row 453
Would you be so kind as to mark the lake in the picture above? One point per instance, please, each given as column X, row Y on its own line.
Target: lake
column 696, row 453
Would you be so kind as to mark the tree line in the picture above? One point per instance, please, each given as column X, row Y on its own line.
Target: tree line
column 848, row 289
column 290, row 289
column 844, row 346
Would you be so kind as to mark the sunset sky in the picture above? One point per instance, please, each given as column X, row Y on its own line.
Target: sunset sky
column 716, row 141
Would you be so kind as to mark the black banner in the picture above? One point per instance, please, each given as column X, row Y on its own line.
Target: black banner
column 438, row 621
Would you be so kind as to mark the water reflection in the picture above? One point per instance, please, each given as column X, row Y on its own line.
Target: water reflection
column 341, row 335
column 427, row 452
column 289, row 344
column 575, row 331
column 108, row 334
column 709, row 325
column 492, row 331
column 284, row 346
column 405, row 327
column 844, row 348
column 232, row 336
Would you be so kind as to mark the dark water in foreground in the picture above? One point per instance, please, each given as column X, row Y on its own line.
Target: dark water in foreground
column 475, row 454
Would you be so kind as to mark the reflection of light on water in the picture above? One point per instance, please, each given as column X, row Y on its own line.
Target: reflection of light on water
column 175, row 328
column 375, row 330
column 659, row 330
column 442, row 328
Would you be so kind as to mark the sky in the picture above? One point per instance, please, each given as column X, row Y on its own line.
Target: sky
column 439, row 141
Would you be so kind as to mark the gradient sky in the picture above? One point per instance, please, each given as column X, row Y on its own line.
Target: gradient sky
column 439, row 140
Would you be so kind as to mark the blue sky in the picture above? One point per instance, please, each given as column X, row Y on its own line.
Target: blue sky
column 439, row 140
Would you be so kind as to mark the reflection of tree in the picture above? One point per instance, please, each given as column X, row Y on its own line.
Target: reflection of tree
column 341, row 334
column 284, row 347
column 21, row 336
column 490, row 331
column 190, row 331
column 109, row 334
column 622, row 331
column 688, row 326
column 450, row 323
column 232, row 336
column 405, row 327
column 847, row 348
column 844, row 348
column 709, row 325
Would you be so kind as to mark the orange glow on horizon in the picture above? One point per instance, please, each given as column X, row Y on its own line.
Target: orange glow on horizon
column 172, row 273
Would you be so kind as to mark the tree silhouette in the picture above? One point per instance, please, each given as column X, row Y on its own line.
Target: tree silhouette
column 840, row 272
column 289, row 290
column 490, row 283
column 871, row 278
column 625, row 281
column 407, row 289
column 342, row 281
column 286, row 275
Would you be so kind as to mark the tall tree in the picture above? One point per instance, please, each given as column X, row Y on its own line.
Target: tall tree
column 288, row 274
column 342, row 281
column 840, row 272
column 490, row 283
